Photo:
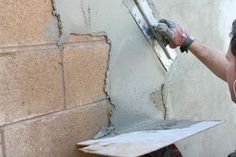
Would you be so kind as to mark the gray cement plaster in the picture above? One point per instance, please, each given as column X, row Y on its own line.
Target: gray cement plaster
column 134, row 70
column 191, row 90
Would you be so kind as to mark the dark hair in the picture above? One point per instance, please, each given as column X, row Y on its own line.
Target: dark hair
column 233, row 38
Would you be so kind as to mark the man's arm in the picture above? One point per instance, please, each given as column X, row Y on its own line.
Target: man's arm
column 175, row 36
column 212, row 58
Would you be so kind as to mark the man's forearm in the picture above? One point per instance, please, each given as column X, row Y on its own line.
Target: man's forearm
column 212, row 58
column 176, row 36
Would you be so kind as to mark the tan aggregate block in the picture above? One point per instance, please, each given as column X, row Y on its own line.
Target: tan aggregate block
column 82, row 154
column 30, row 84
column 27, row 22
column 84, row 37
column 85, row 67
column 56, row 135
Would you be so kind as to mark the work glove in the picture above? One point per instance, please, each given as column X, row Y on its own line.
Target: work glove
column 173, row 34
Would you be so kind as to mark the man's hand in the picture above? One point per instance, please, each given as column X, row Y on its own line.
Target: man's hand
column 174, row 34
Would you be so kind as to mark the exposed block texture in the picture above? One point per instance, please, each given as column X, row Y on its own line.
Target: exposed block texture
column 85, row 67
column 30, row 84
column 56, row 135
column 85, row 37
column 82, row 154
column 157, row 98
column 27, row 22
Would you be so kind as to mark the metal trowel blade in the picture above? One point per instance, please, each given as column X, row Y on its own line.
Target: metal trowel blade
column 144, row 25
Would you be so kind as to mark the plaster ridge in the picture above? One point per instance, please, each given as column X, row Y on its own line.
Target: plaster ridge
column 159, row 99
column 59, row 21
column 110, row 129
column 163, row 101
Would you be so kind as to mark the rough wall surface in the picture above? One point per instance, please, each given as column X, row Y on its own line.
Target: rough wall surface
column 134, row 70
column 27, row 23
column 191, row 90
column 55, row 135
column 26, row 88
column 43, row 95
column 81, row 75
column 48, row 101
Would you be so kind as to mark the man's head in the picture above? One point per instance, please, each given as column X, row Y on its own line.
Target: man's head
column 231, row 56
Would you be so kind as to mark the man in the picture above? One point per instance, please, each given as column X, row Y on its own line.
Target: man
column 223, row 66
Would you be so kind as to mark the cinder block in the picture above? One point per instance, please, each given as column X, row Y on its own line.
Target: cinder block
column 82, row 154
column 30, row 84
column 56, row 135
column 27, row 22
column 85, row 67
column 84, row 37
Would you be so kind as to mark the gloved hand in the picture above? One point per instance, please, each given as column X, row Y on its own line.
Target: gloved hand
column 174, row 34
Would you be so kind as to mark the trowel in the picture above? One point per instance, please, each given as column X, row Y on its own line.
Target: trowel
column 145, row 19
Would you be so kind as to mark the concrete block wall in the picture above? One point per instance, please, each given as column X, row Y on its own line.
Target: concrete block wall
column 50, row 97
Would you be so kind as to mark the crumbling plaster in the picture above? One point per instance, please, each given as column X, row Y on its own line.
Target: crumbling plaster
column 190, row 91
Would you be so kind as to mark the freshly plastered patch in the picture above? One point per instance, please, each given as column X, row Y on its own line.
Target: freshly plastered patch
column 134, row 69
